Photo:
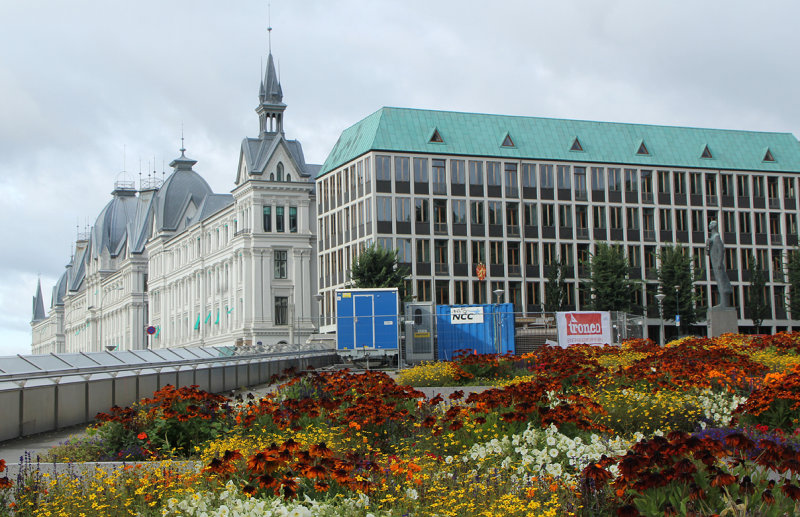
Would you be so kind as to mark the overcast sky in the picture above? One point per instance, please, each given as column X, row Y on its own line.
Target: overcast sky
column 92, row 88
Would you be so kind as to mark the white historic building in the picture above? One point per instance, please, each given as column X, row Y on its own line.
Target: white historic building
column 199, row 268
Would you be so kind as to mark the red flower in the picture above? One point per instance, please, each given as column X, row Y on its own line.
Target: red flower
column 791, row 491
column 596, row 473
column 142, row 436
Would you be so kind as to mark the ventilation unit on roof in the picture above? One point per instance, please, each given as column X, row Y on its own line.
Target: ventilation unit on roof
column 576, row 145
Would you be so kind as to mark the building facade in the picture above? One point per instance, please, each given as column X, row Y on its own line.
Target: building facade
column 451, row 190
column 195, row 267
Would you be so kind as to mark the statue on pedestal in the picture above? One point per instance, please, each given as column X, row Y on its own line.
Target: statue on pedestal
column 716, row 251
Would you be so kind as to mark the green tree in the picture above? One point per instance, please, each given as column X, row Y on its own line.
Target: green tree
column 609, row 285
column 676, row 269
column 757, row 302
column 555, row 290
column 793, row 279
column 377, row 267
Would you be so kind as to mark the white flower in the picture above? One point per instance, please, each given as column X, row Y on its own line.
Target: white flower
column 412, row 494
column 448, row 460
column 553, row 453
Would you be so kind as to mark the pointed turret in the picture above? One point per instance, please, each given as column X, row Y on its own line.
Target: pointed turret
column 38, row 304
column 271, row 107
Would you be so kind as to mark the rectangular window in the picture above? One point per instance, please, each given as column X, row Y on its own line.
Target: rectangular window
column 512, row 179
column 599, row 215
column 422, row 210
column 493, row 174
column 281, row 310
column 280, row 263
column 440, row 215
column 478, row 252
column 679, row 182
column 476, row 212
column 267, row 218
column 663, row 182
column 404, row 251
column 293, row 219
column 760, row 222
column 384, row 208
column 439, row 177
column 496, row 252
column 580, row 182
column 711, row 184
column 566, row 255
column 548, row 253
column 647, row 182
column 743, row 185
column 788, row 188
column 401, row 172
column 421, row 170
column 648, row 219
column 385, row 243
column 475, row 173
column 383, row 168
column 728, row 222
column 758, row 186
column 631, row 181
column 696, row 184
column 530, row 214
column 512, row 214
column 565, row 216
column 440, row 255
column 548, row 215
column 562, row 174
column 528, row 175
column 423, row 251
column 479, row 292
column 633, row 257
column 680, row 220
column 598, row 178
column 459, row 252
column 460, row 292
column 457, row 172
column 403, row 209
column 665, row 219
column 531, row 253
column 615, row 216
column 632, row 214
column 546, row 175
column 279, row 220
column 459, row 211
column 495, row 212
column 744, row 222
column 791, row 224
column 697, row 221
column 727, row 184
column 424, row 290
column 614, row 179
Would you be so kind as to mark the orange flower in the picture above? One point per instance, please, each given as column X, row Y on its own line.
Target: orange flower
column 142, row 436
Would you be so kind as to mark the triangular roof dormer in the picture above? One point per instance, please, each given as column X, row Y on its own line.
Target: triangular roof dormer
column 768, row 156
column 706, row 152
column 507, row 141
column 436, row 137
column 576, row 145
column 642, row 149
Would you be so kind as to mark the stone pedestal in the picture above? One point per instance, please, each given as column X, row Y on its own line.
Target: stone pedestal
column 722, row 320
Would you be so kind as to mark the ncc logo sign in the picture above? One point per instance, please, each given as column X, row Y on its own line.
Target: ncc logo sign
column 590, row 328
column 465, row 315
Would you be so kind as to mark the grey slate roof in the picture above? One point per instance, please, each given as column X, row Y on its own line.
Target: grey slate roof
column 110, row 231
column 210, row 205
column 270, row 92
column 182, row 187
column 257, row 152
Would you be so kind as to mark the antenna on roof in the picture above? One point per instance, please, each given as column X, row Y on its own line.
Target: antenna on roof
column 123, row 157
column 269, row 26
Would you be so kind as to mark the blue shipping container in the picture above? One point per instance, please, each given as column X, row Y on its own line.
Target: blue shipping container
column 367, row 318
column 454, row 333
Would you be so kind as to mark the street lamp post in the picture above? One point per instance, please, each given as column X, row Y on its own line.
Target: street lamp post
column 660, row 297
column 677, row 309
column 497, row 293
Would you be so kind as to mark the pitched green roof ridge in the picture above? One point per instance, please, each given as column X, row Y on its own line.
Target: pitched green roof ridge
column 537, row 138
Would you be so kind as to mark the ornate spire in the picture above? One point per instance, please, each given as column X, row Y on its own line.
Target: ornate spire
column 38, row 303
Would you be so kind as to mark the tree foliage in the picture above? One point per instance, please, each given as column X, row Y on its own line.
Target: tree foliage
column 377, row 267
column 757, row 302
column 793, row 279
column 609, row 286
column 676, row 269
column 555, row 289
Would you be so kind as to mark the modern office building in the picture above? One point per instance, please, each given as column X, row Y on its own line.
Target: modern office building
column 451, row 190
column 192, row 266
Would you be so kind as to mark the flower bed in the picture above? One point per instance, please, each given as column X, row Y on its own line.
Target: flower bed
column 699, row 427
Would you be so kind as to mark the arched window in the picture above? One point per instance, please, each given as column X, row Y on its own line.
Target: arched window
column 288, row 177
column 280, row 171
column 272, row 176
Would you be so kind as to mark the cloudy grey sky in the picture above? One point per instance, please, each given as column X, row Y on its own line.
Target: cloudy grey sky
column 89, row 88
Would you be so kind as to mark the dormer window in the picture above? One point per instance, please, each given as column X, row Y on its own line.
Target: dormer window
column 280, row 171
column 507, row 142
column 436, row 138
column 706, row 153
column 768, row 156
column 642, row 149
column 576, row 145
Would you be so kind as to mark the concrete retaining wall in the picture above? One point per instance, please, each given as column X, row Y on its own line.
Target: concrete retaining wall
column 50, row 404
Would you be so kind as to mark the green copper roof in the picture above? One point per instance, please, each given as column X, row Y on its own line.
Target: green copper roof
column 534, row 138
